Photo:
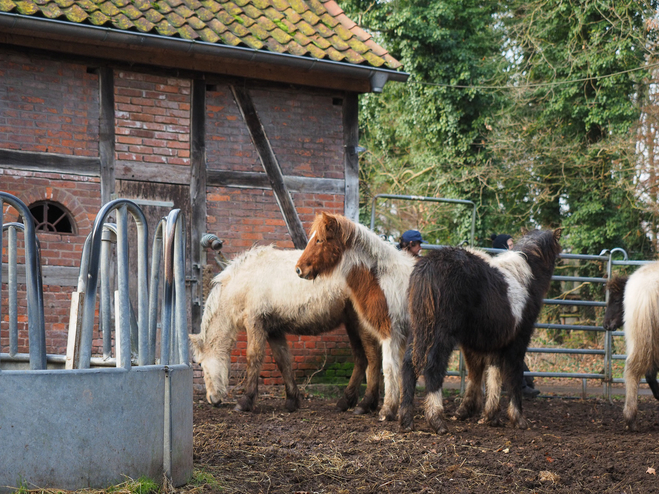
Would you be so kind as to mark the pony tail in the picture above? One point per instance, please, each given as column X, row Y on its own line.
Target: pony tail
column 422, row 307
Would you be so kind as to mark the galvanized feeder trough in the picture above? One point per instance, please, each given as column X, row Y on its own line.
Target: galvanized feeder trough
column 77, row 421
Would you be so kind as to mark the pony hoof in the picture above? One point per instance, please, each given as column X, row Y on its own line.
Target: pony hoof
column 463, row 414
column 291, row 406
column 491, row 421
column 342, row 405
column 438, row 426
column 387, row 414
column 631, row 426
column 360, row 411
column 244, row 406
column 406, row 425
column 521, row 424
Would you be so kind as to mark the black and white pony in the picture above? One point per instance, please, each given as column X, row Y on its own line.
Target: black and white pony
column 487, row 306
column 634, row 302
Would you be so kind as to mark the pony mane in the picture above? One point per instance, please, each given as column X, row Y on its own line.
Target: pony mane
column 616, row 286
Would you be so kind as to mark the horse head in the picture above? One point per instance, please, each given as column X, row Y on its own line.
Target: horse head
column 542, row 245
column 330, row 234
column 214, row 367
column 615, row 311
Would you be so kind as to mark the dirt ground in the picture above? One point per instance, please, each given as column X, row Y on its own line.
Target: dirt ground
column 573, row 445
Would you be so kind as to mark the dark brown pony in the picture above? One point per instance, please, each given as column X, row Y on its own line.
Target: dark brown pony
column 487, row 306
column 377, row 275
column 634, row 301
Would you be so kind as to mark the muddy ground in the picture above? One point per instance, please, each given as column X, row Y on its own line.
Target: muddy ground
column 573, row 445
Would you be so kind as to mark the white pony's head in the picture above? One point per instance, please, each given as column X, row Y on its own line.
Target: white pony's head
column 215, row 364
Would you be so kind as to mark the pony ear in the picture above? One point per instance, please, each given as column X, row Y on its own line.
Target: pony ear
column 331, row 223
column 524, row 230
column 557, row 233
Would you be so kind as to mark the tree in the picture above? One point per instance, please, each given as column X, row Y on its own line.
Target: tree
column 569, row 129
column 425, row 138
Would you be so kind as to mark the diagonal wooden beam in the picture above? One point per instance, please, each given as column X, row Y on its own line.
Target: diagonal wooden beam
column 271, row 165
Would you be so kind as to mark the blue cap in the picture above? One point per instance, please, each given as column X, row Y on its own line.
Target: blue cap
column 412, row 236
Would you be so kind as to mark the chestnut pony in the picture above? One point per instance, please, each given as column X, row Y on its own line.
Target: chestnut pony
column 377, row 275
column 487, row 306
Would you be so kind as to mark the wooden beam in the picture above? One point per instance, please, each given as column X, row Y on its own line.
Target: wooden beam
column 107, row 135
column 152, row 172
column 197, row 196
column 52, row 275
column 49, row 163
column 252, row 180
column 271, row 165
column 350, row 155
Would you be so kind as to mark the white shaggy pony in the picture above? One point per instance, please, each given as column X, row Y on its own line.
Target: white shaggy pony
column 259, row 293
column 634, row 301
column 377, row 275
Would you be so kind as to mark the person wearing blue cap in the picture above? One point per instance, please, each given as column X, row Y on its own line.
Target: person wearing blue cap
column 410, row 242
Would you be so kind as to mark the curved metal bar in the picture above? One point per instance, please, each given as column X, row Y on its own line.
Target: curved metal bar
column 174, row 344
column 429, row 199
column 156, row 257
column 36, row 325
column 92, row 280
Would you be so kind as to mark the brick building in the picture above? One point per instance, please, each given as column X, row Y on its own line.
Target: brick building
column 177, row 103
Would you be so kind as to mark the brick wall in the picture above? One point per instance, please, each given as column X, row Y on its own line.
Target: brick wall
column 47, row 106
column 152, row 118
column 52, row 106
column 81, row 197
column 306, row 133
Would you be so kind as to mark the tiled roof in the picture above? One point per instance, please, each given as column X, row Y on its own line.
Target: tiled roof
column 312, row 28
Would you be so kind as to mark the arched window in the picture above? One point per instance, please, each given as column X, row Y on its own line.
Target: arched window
column 52, row 217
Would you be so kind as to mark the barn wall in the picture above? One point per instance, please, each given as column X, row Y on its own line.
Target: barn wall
column 51, row 105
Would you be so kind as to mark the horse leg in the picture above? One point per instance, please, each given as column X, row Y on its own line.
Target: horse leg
column 633, row 373
column 409, row 378
column 493, row 396
column 392, row 356
column 434, row 373
column 473, row 398
column 255, row 354
column 373, row 352
column 651, row 378
column 513, row 367
column 282, row 356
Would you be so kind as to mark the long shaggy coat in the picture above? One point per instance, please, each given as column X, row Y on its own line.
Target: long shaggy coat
column 485, row 305
column 259, row 293
column 634, row 302
column 377, row 275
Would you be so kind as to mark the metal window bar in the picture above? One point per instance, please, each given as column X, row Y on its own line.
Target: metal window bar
column 34, row 288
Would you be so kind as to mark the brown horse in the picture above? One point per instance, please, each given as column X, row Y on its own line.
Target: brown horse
column 259, row 293
column 377, row 275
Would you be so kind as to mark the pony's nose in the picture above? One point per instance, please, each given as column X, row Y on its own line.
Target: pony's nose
column 298, row 271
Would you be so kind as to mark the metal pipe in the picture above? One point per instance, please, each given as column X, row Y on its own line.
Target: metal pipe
column 108, row 238
column 428, row 199
column 179, row 280
column 156, row 256
column 36, row 327
column 123, row 312
column 93, row 271
column 13, row 291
